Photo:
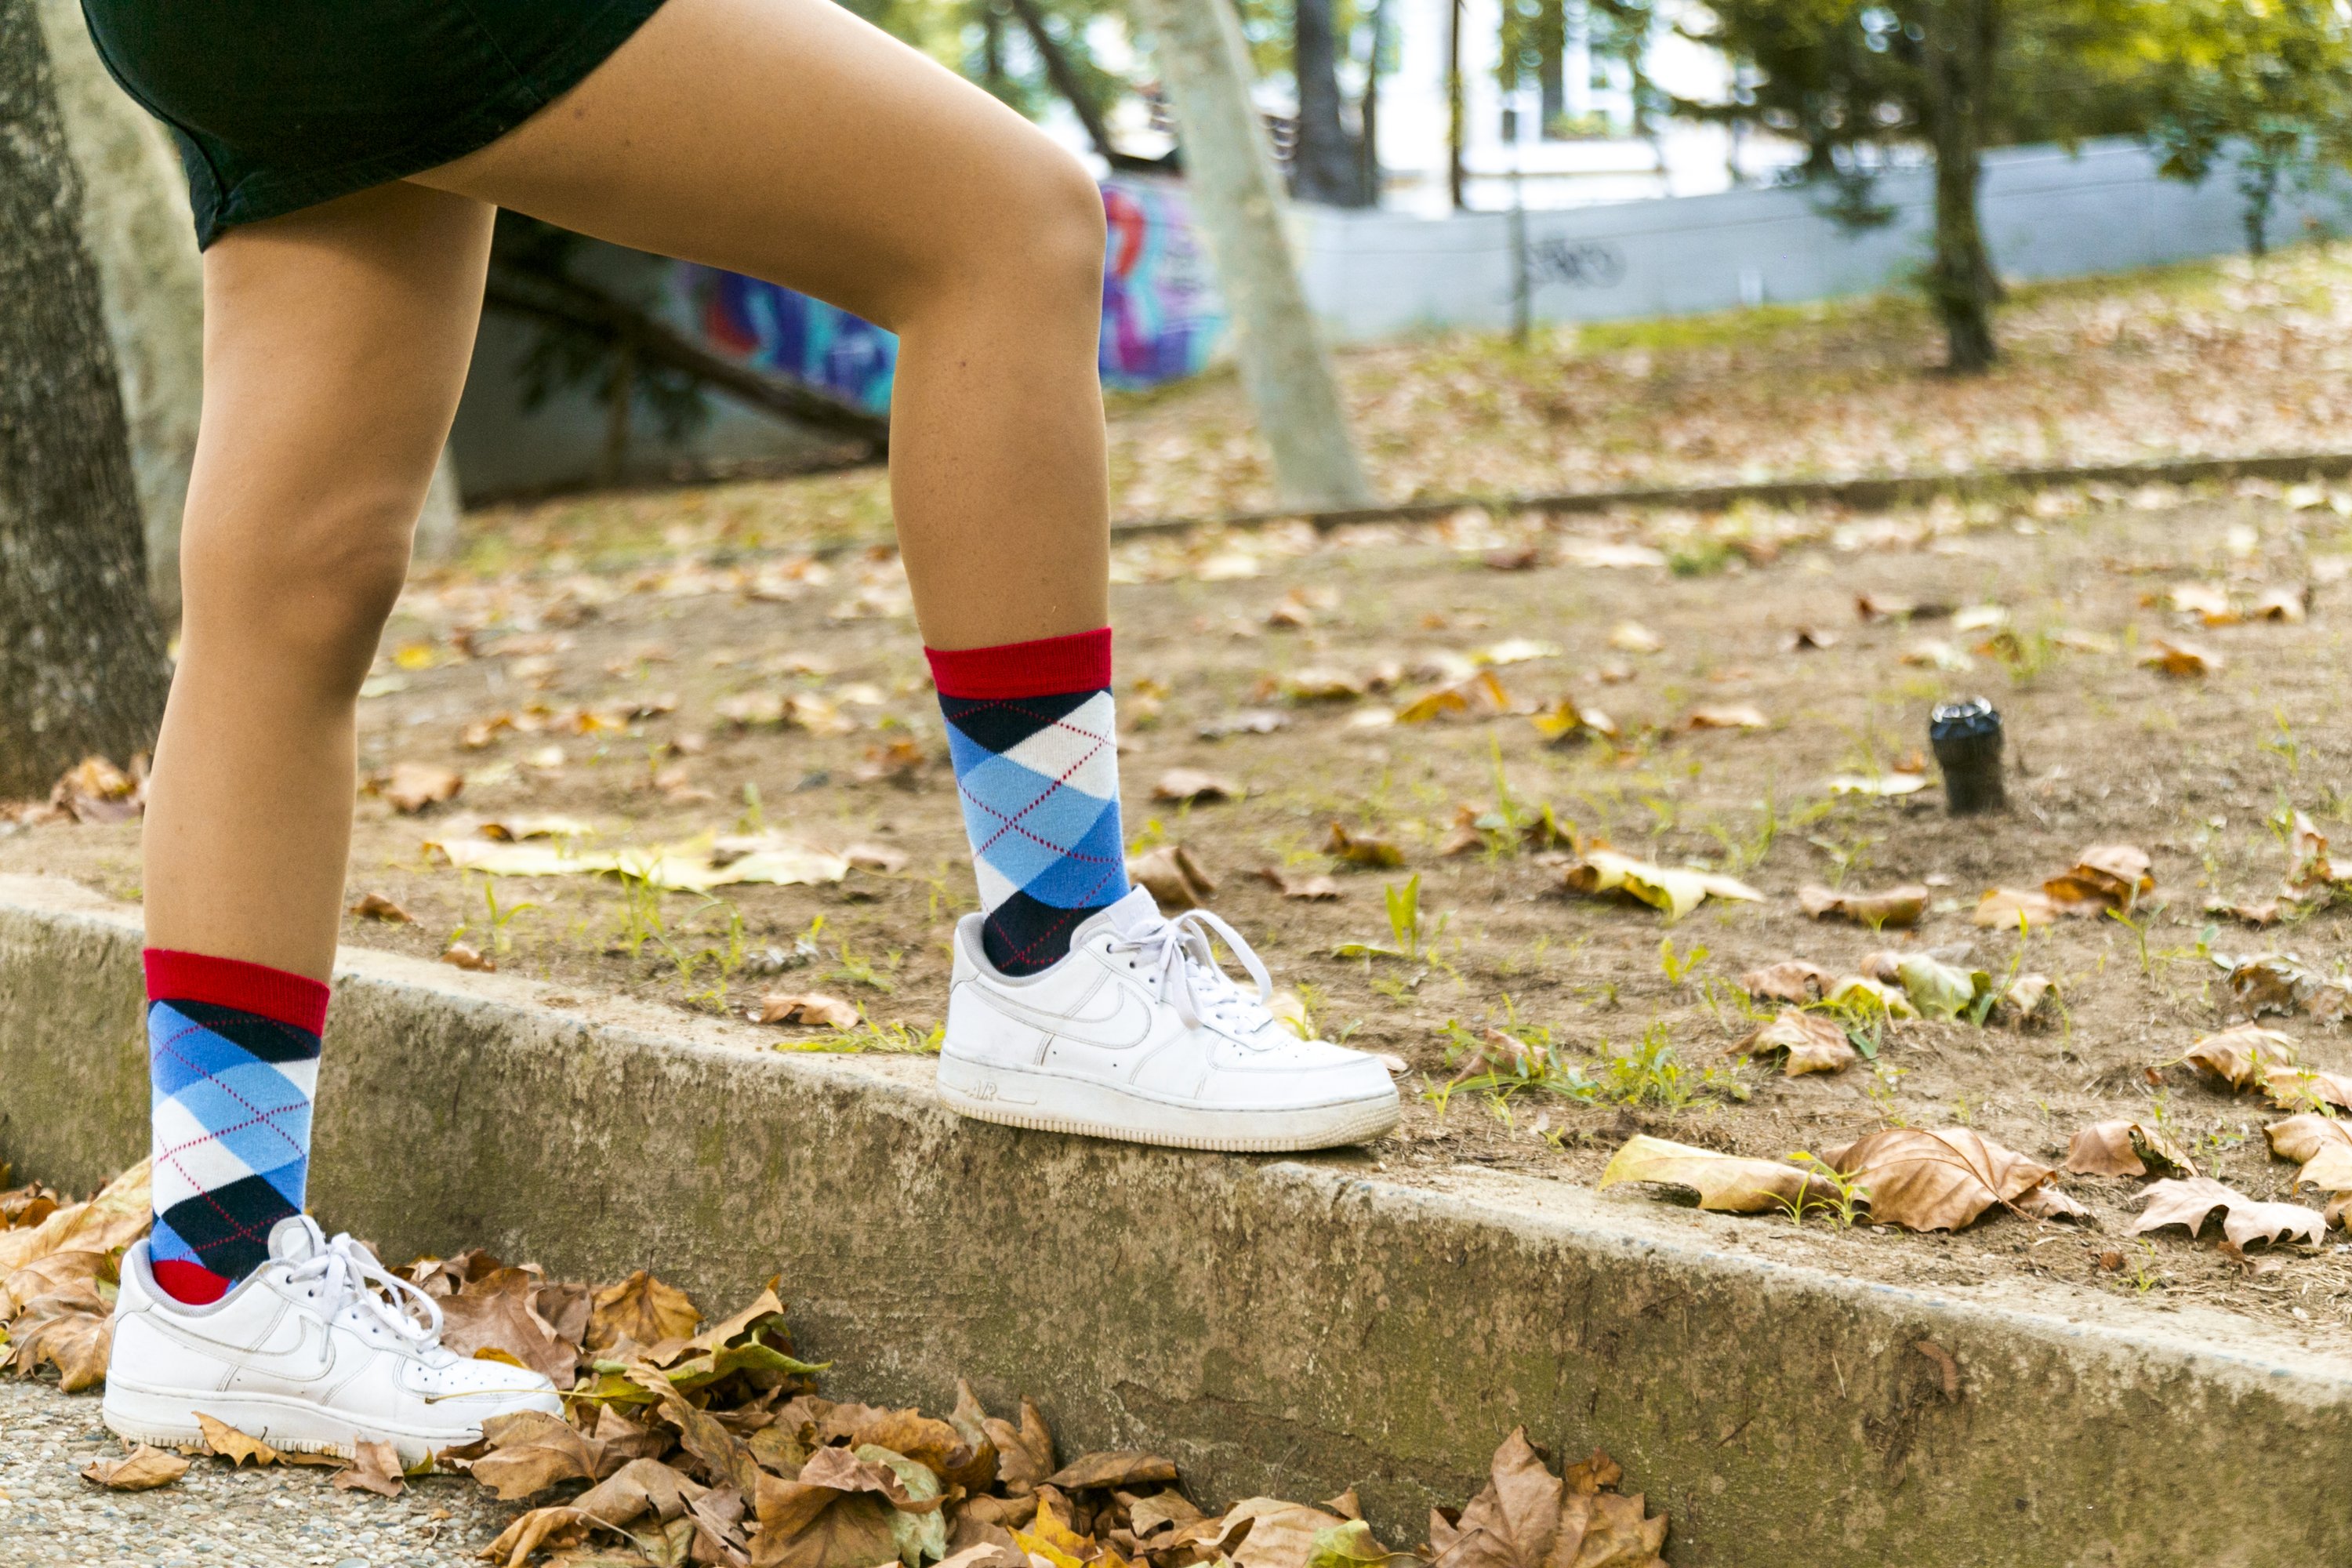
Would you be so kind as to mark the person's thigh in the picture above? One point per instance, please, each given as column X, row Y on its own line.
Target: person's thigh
column 336, row 343
column 790, row 140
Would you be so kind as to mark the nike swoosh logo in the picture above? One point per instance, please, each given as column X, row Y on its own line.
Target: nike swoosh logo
column 307, row 1362
column 1127, row 1026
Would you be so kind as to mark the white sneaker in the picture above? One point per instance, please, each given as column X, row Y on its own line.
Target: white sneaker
column 1138, row 1035
column 321, row 1348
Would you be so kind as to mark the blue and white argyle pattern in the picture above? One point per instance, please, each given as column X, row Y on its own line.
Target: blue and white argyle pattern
column 230, row 1093
column 1039, row 781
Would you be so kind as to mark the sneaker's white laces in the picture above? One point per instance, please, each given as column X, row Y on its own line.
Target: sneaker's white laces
column 350, row 1279
column 1188, row 974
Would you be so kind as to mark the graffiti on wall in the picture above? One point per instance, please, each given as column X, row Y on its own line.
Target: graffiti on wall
column 1162, row 314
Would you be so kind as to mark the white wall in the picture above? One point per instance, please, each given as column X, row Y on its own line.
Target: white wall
column 2048, row 213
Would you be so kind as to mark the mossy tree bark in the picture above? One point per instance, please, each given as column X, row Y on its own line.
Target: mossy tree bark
column 136, row 228
column 81, row 657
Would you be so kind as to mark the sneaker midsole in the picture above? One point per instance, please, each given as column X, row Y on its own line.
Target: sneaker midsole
column 281, row 1420
column 1097, row 1099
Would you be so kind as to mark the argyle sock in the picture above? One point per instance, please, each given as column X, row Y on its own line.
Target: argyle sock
column 1032, row 732
column 233, row 1060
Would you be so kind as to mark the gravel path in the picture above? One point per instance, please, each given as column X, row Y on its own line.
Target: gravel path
column 213, row 1516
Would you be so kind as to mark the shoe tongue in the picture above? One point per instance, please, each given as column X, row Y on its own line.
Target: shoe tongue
column 297, row 1238
column 1132, row 912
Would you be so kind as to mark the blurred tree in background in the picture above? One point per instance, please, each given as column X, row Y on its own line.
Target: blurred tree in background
column 2266, row 87
column 1853, row 83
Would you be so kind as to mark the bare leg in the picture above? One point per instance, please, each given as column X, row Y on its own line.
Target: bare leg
column 336, row 341
column 788, row 140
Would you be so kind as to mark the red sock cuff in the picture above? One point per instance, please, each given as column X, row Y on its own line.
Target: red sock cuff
column 294, row 1000
column 1080, row 662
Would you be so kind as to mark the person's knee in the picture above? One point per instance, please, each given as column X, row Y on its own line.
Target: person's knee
column 1063, row 229
column 1033, row 247
column 311, row 595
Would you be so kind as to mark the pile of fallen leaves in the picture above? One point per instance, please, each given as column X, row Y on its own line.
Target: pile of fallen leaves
column 689, row 1441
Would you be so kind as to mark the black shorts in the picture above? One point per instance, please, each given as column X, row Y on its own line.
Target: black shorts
column 281, row 104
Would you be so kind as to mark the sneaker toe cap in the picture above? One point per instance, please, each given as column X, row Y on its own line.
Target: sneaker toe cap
column 481, row 1389
column 1299, row 1072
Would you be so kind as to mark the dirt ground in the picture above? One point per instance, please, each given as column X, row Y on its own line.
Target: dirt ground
column 2104, row 750
column 623, row 662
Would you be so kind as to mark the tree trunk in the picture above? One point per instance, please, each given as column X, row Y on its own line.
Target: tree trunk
column 1323, row 165
column 1368, row 111
column 1456, row 178
column 1956, row 62
column 81, row 659
column 1551, row 66
column 136, row 227
column 1237, row 199
column 436, row 523
column 2258, row 181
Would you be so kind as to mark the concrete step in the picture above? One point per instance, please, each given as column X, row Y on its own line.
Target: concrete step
column 1286, row 1326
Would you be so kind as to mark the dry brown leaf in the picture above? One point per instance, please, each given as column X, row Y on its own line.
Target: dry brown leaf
column 1172, row 877
column 1025, row 1454
column 1676, row 890
column 2002, row 908
column 851, row 1529
column 2124, row 1148
column 108, row 1222
column 1281, row 1534
column 1727, row 716
column 2106, row 877
column 530, row 1451
column 412, row 787
column 1194, row 786
column 1310, row 888
column 2321, row 1144
column 497, row 1313
column 1811, row 1042
column 2288, row 604
column 1633, row 637
column 1792, row 980
column 375, row 1468
column 1728, row 1181
column 805, row 1008
column 67, row 1326
column 1125, row 1469
column 377, row 907
column 2243, row 1056
column 2047, row 1202
column 642, row 1309
column 1315, row 684
column 723, row 1456
column 2305, row 1088
column 1482, row 696
column 1900, row 906
column 1567, row 721
column 2190, row 1202
column 1356, row 849
column 94, row 791
column 2209, row 602
column 2282, row 983
column 2181, row 659
column 465, row 955
column 141, row 1469
column 885, row 859
column 238, row 1449
column 1938, row 1179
